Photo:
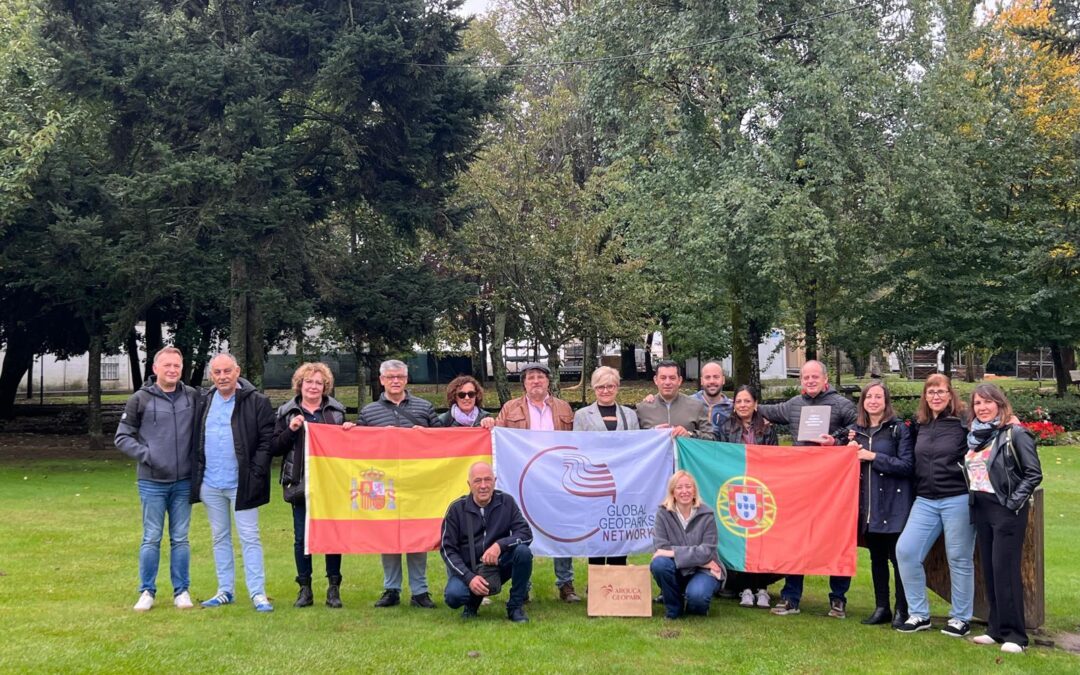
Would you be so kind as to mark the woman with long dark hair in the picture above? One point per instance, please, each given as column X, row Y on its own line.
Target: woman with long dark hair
column 1003, row 471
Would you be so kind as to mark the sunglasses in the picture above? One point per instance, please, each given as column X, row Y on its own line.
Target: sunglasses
column 466, row 394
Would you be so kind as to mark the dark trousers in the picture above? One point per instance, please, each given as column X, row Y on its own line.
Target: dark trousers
column 695, row 591
column 999, row 534
column 303, row 562
column 882, row 552
column 617, row 560
column 793, row 586
column 515, row 565
column 738, row 581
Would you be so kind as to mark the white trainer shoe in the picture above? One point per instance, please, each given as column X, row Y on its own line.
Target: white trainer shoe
column 983, row 640
column 183, row 601
column 763, row 598
column 746, row 598
column 146, row 601
column 1012, row 648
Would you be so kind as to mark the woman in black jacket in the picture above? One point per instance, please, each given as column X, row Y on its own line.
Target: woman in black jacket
column 1003, row 470
column 464, row 396
column 312, row 404
column 886, row 453
column 746, row 425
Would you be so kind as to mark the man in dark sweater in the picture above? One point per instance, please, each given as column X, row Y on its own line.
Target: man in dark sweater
column 396, row 408
column 814, row 378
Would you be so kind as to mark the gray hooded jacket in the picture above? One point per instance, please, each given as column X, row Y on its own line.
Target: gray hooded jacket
column 156, row 431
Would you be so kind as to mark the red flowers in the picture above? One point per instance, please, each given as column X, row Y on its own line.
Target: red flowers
column 1044, row 430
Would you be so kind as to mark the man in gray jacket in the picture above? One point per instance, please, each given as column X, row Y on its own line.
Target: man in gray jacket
column 155, row 429
column 671, row 409
column 396, row 408
column 814, row 379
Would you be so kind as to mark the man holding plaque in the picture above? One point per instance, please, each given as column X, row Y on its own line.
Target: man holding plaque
column 814, row 415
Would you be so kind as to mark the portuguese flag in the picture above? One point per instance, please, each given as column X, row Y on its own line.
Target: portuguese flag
column 385, row 489
column 782, row 509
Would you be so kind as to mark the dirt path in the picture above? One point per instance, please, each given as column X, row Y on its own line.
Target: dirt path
column 49, row 446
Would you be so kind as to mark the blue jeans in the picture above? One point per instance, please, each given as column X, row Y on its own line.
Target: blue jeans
column 391, row 567
column 695, row 589
column 564, row 571
column 220, row 505
column 927, row 520
column 515, row 565
column 158, row 499
column 793, row 587
column 303, row 561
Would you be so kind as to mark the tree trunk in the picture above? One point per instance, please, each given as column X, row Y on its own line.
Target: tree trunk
column 301, row 346
column 154, row 340
column 649, row 370
column 1061, row 371
column 810, row 323
column 19, row 352
column 95, row 437
column 476, row 348
column 628, row 361
column 131, row 345
column 946, row 359
column 554, row 362
column 361, row 373
column 30, row 378
column 741, row 367
column 969, row 364
column 200, row 357
column 246, row 326
column 495, row 350
column 754, row 334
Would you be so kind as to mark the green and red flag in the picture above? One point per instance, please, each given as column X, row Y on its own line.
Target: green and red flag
column 385, row 489
column 781, row 509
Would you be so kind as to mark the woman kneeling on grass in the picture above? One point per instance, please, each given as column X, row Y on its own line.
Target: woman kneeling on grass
column 1003, row 471
column 685, row 565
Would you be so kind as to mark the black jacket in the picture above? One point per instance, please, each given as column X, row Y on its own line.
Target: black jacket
column 886, row 491
column 841, row 413
column 447, row 420
column 252, row 430
column 731, row 432
column 289, row 444
column 502, row 523
column 940, row 447
column 1014, row 472
column 412, row 411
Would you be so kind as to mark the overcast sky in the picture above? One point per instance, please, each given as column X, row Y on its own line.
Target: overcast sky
column 474, row 6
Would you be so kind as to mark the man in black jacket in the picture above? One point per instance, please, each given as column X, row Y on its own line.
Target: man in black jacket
column 234, row 424
column 490, row 522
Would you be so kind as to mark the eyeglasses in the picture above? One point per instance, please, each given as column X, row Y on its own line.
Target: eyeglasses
column 466, row 394
column 605, row 387
column 396, row 377
column 937, row 393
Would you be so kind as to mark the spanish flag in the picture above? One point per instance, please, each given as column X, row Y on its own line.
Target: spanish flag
column 385, row 489
column 781, row 509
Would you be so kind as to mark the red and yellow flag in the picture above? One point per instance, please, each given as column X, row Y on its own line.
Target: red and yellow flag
column 385, row 489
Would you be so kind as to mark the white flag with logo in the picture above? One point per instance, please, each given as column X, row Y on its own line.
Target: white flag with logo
column 585, row 493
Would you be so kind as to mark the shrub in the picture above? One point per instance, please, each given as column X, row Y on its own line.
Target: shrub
column 1064, row 412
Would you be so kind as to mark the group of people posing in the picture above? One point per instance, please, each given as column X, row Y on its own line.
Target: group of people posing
column 944, row 472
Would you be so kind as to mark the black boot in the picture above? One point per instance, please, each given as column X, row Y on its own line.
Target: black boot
column 304, row 598
column 899, row 617
column 881, row 615
column 333, row 593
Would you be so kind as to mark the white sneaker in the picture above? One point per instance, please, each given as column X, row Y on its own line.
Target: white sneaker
column 146, row 601
column 746, row 598
column 1012, row 648
column 183, row 601
column 763, row 598
column 983, row 640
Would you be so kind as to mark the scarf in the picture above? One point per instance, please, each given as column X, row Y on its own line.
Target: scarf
column 980, row 433
column 465, row 420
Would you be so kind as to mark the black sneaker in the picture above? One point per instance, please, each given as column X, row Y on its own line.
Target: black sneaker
column 389, row 598
column 517, row 615
column 914, row 623
column 785, row 608
column 956, row 628
column 469, row 612
column 422, row 600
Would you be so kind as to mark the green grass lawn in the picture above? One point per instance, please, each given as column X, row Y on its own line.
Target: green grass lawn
column 69, row 535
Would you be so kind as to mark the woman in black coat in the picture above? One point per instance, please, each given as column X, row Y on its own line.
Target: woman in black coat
column 1003, row 470
column 887, row 463
column 464, row 396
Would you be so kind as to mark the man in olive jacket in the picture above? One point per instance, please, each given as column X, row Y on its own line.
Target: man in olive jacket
column 671, row 409
column 231, row 475
column 155, row 430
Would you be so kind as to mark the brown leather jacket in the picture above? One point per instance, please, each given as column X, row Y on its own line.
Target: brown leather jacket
column 514, row 415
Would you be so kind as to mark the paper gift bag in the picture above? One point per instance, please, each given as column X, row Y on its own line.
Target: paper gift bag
column 620, row 590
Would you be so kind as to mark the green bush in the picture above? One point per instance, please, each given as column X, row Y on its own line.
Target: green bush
column 1034, row 408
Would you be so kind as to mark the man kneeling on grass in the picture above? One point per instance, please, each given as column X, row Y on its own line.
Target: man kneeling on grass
column 485, row 541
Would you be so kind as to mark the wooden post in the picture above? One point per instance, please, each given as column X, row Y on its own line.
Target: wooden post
column 1032, row 570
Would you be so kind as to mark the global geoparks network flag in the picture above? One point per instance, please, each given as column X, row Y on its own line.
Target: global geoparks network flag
column 384, row 489
column 783, row 509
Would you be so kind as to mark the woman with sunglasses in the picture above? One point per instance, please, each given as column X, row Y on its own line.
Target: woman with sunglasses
column 941, row 505
column 606, row 415
column 464, row 395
